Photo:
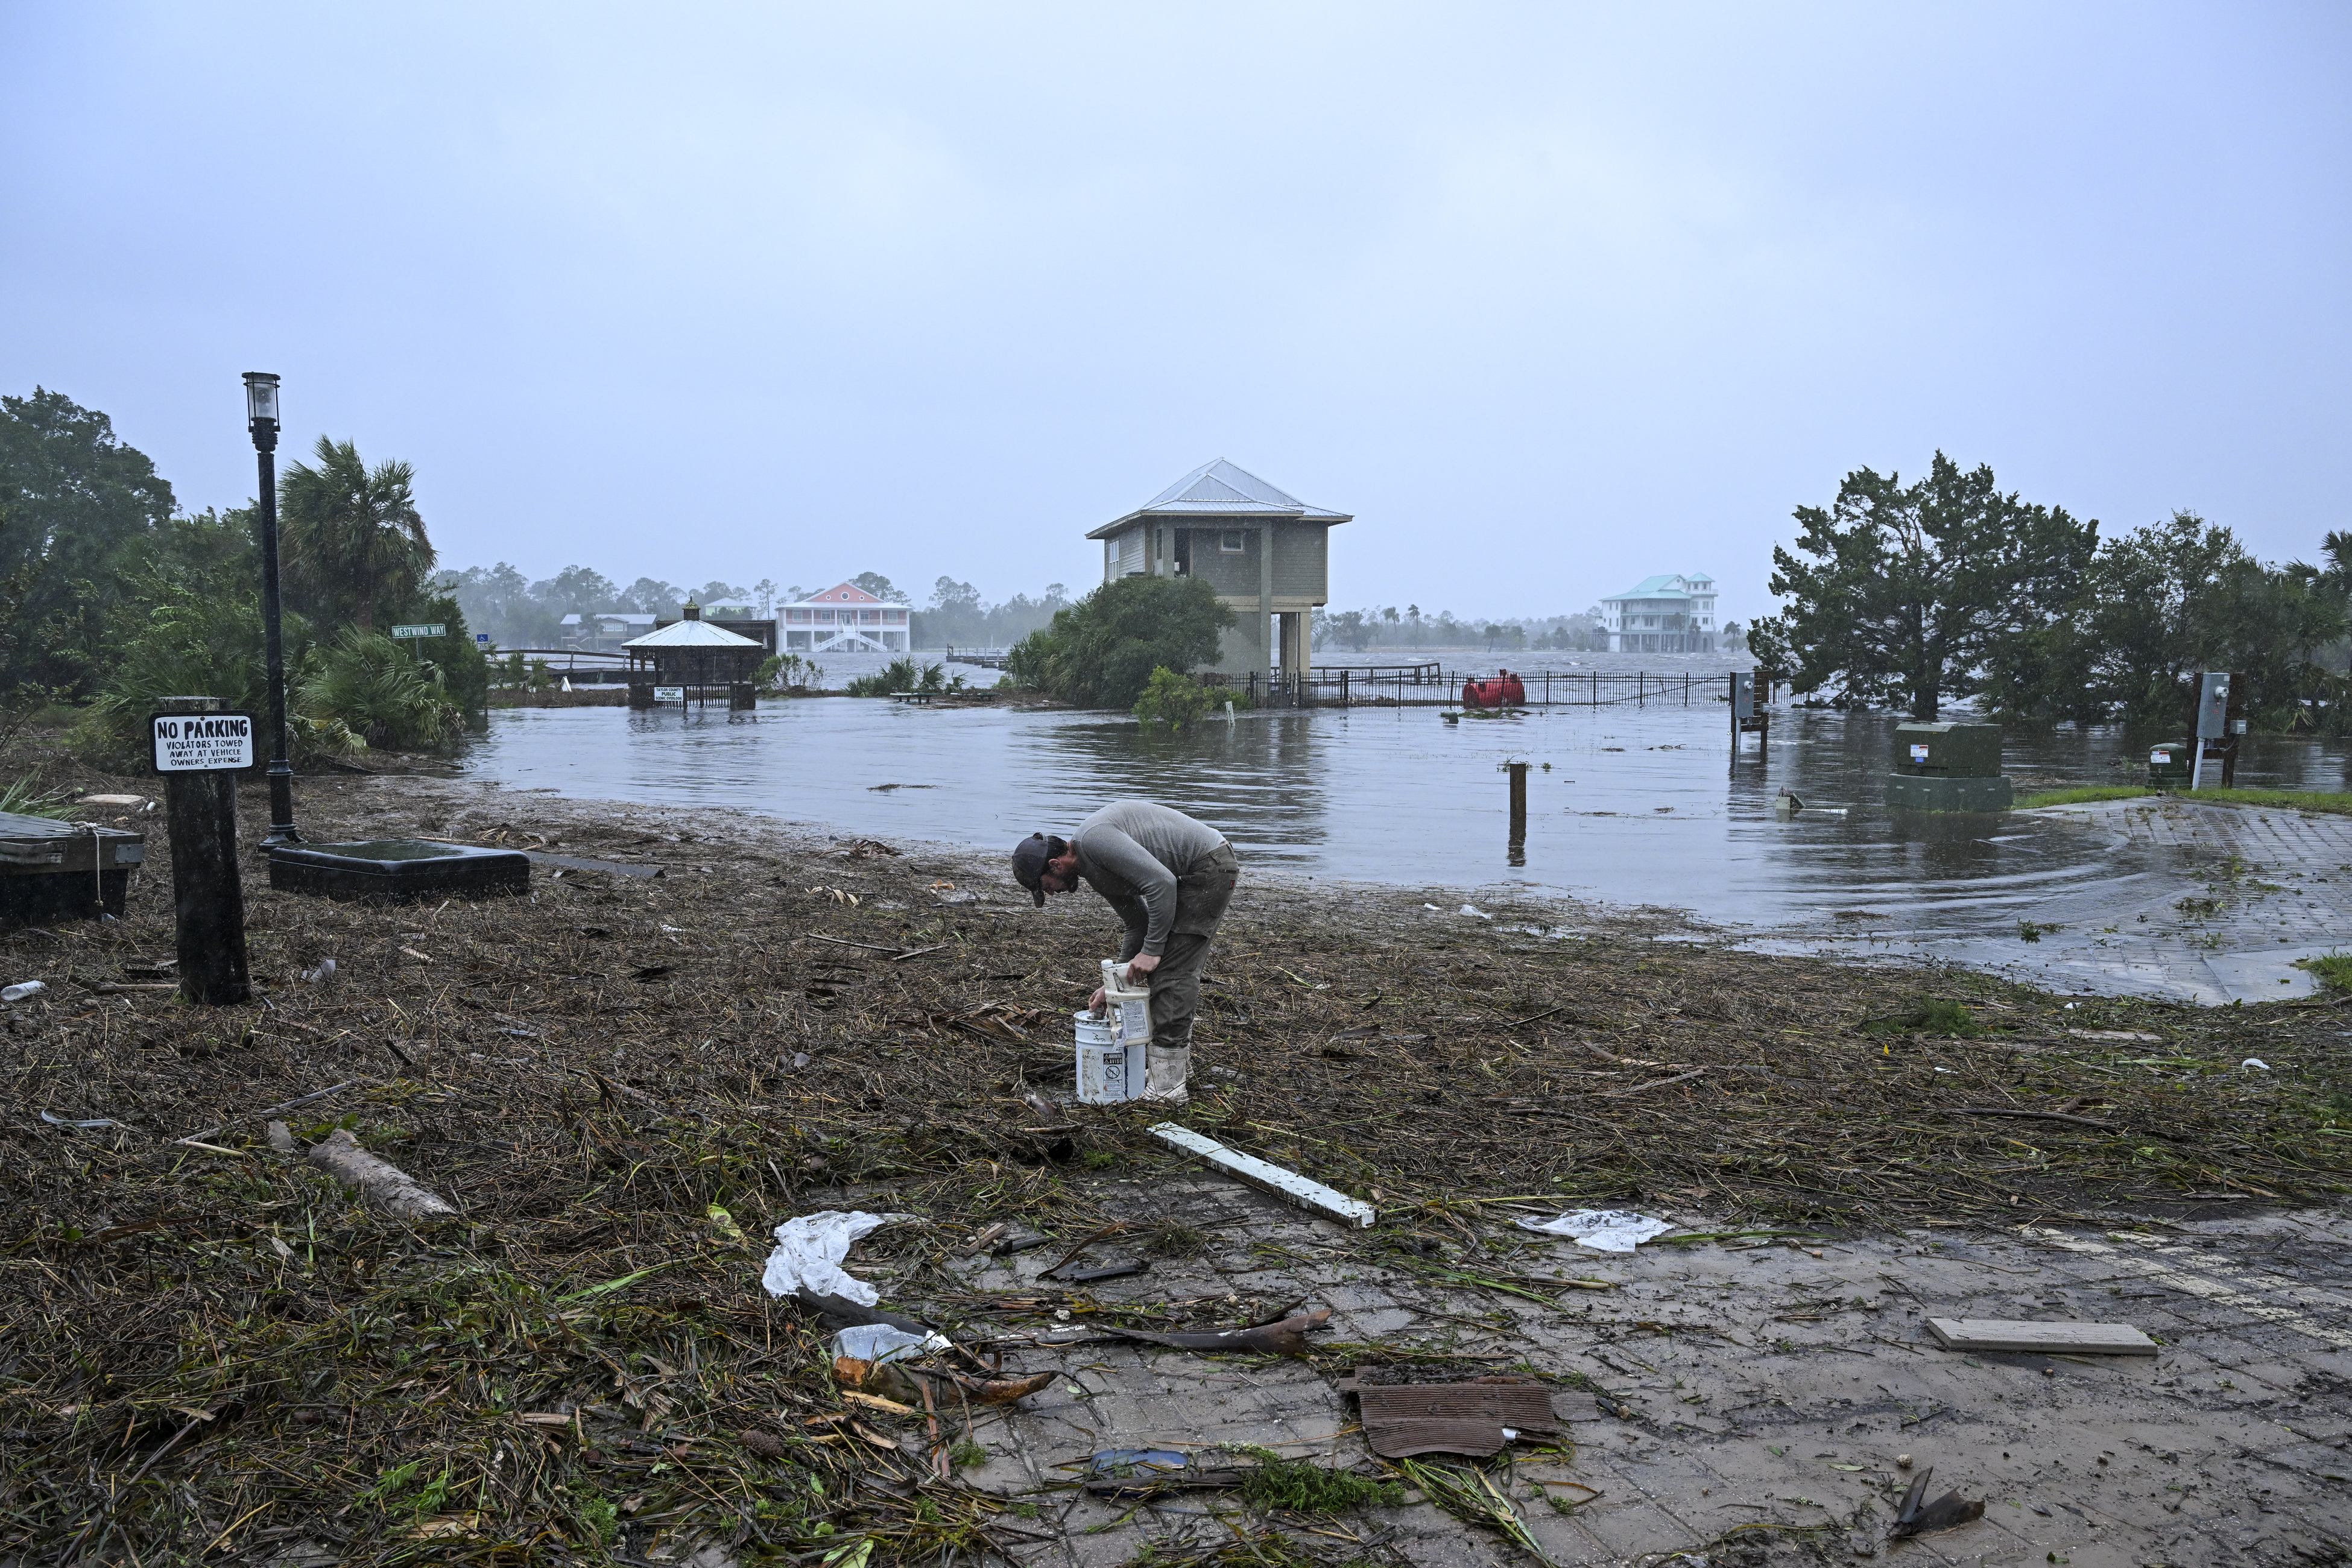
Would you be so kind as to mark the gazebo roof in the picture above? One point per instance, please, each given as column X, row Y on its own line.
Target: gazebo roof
column 692, row 634
column 1220, row 489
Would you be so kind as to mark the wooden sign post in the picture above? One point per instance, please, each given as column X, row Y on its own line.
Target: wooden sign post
column 200, row 750
column 1518, row 843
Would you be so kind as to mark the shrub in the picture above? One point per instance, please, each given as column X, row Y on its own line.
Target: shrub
column 902, row 674
column 1173, row 699
column 1101, row 652
column 370, row 685
column 190, row 643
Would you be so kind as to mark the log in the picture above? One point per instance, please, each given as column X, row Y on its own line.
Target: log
column 380, row 1182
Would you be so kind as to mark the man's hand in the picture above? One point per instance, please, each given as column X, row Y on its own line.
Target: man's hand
column 1143, row 963
column 1094, row 1001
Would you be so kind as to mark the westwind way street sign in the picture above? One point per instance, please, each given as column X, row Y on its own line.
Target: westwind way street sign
column 202, row 742
column 437, row 629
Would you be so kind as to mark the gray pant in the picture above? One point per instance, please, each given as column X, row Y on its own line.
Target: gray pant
column 1201, row 894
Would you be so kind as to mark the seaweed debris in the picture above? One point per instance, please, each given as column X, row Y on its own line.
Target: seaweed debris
column 208, row 1349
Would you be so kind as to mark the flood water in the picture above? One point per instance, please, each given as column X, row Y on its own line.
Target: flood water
column 1626, row 805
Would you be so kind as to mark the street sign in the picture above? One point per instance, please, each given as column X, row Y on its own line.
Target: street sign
column 670, row 694
column 202, row 742
column 437, row 629
column 481, row 639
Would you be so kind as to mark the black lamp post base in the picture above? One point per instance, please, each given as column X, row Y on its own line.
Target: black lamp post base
column 281, row 807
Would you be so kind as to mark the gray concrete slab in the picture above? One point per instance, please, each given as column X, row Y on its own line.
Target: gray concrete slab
column 1771, row 1382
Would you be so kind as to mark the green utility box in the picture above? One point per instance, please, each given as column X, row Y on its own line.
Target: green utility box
column 2168, row 764
column 1950, row 751
column 1950, row 766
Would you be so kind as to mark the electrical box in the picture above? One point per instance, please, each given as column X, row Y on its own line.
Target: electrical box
column 2213, row 706
column 2168, row 764
column 1947, row 751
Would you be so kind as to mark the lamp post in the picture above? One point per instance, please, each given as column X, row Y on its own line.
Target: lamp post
column 261, row 419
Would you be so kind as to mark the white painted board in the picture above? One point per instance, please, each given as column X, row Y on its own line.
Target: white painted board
column 202, row 742
column 2008, row 1334
column 1288, row 1185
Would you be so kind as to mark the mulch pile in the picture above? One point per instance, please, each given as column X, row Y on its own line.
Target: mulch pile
column 624, row 1081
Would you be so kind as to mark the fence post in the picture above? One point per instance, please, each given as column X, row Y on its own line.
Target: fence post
column 1519, row 845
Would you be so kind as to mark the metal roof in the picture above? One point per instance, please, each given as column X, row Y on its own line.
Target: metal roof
column 1221, row 489
column 841, row 593
column 691, row 634
column 1656, row 588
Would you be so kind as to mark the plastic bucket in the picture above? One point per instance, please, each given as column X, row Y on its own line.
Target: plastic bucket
column 1095, row 1028
column 1109, row 1075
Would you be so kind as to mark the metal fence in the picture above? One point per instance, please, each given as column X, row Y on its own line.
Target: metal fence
column 1430, row 686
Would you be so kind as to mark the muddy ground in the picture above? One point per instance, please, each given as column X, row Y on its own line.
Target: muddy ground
column 699, row 1026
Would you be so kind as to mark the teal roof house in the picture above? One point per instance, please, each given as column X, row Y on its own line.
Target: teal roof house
column 1670, row 613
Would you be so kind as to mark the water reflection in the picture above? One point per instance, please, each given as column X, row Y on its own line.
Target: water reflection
column 1636, row 805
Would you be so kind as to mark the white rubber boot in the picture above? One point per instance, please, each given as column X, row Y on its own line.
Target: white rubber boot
column 1164, row 1072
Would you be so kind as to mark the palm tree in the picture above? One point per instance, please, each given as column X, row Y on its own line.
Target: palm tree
column 353, row 541
column 2336, row 576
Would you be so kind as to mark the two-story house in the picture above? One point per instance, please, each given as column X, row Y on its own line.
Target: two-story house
column 1266, row 554
column 844, row 618
column 1670, row 612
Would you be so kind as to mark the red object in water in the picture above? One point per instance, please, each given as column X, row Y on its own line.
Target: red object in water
column 1503, row 691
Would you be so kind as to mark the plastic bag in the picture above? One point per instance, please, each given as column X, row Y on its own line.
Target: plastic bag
column 880, row 1342
column 1602, row 1230
column 809, row 1251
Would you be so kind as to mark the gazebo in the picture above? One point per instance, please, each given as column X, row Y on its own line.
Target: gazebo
column 691, row 653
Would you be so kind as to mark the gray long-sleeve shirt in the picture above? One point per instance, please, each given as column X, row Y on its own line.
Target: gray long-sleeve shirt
column 1132, row 851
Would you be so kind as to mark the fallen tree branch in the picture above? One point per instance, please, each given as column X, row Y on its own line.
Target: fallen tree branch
column 1653, row 1083
column 2037, row 1116
column 1288, row 1337
column 379, row 1181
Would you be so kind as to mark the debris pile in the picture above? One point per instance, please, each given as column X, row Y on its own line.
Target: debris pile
column 624, row 1083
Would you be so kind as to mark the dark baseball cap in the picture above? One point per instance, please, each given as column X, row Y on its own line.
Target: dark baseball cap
column 1029, row 857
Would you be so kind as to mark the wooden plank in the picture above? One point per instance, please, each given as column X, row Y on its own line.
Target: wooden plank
column 2007, row 1334
column 1288, row 1185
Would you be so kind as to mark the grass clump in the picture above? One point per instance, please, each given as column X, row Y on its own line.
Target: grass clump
column 1175, row 1238
column 2334, row 970
column 2335, row 803
column 26, row 798
column 1295, row 1486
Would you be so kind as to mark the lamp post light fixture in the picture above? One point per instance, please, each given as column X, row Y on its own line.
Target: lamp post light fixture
column 261, row 419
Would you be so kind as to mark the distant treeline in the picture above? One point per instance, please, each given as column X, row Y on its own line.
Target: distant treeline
column 520, row 613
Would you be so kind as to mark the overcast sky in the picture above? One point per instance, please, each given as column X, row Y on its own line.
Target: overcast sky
column 1549, row 296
